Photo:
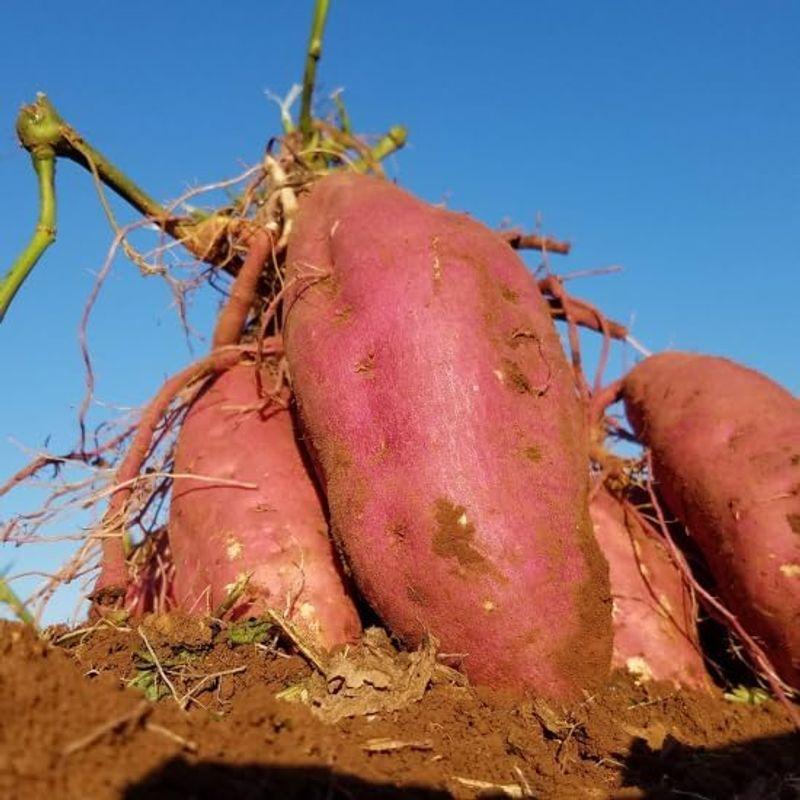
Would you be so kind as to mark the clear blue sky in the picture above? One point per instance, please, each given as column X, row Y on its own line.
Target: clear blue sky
column 661, row 136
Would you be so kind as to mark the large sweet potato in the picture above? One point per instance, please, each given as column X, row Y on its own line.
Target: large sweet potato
column 275, row 533
column 441, row 414
column 726, row 455
column 655, row 633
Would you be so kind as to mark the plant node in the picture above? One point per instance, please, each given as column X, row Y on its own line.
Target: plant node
column 40, row 127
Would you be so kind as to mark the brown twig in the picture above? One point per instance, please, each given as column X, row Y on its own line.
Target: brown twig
column 552, row 286
column 583, row 313
column 565, row 307
column 132, row 717
column 185, row 744
column 533, row 241
column 190, row 695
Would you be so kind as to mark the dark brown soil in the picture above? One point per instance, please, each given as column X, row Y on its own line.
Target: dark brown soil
column 70, row 729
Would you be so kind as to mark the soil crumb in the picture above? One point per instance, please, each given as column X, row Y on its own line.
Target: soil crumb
column 91, row 715
column 454, row 536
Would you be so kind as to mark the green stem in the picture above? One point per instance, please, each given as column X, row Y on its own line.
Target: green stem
column 41, row 130
column 389, row 143
column 312, row 59
column 81, row 152
column 344, row 118
column 8, row 597
column 40, row 125
column 44, row 163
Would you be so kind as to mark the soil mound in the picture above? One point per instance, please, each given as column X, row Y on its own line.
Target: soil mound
column 177, row 708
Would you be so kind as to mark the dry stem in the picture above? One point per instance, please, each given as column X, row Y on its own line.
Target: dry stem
column 533, row 241
column 132, row 717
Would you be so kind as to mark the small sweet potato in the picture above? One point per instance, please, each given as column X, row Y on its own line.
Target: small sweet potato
column 272, row 540
column 441, row 413
column 725, row 442
column 655, row 632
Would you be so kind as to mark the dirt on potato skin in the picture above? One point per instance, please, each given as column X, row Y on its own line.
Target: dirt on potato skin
column 70, row 729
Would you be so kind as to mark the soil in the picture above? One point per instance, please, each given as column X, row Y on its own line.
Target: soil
column 76, row 722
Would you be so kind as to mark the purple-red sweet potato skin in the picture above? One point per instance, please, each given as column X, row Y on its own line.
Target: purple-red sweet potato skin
column 441, row 414
column 655, row 632
column 726, row 454
column 277, row 531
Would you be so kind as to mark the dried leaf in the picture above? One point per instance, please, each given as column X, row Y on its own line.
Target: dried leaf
column 368, row 679
column 548, row 718
column 654, row 735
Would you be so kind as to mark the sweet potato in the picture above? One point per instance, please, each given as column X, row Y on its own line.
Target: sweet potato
column 655, row 632
column 276, row 533
column 116, row 587
column 441, row 414
column 725, row 442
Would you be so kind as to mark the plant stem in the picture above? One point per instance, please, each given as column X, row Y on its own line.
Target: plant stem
column 39, row 126
column 8, row 597
column 42, row 130
column 341, row 111
column 44, row 163
column 75, row 148
column 313, row 55
column 389, row 143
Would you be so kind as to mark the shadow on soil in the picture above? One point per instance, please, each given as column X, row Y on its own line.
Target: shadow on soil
column 208, row 780
column 762, row 769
